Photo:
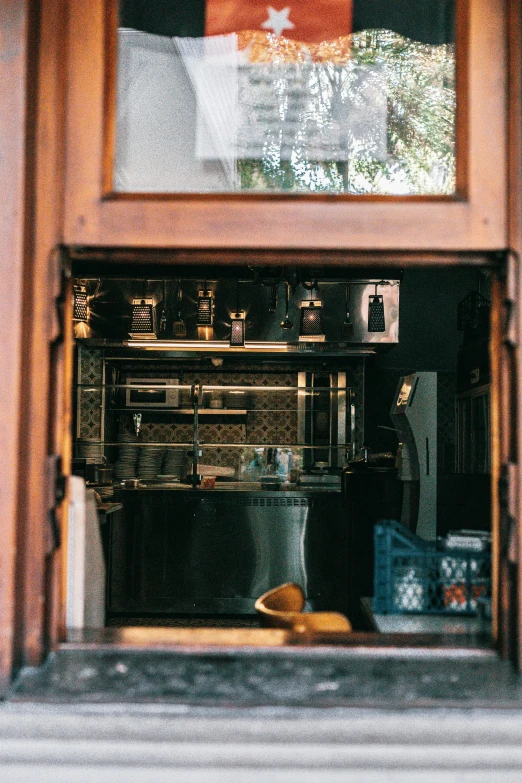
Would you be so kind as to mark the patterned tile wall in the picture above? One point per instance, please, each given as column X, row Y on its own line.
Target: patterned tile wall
column 89, row 401
column 271, row 418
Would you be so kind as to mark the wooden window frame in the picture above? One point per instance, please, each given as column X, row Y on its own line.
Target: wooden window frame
column 41, row 216
column 475, row 219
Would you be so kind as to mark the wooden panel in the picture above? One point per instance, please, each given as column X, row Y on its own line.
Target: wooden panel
column 55, row 348
column 42, row 273
column 13, row 53
column 515, row 244
column 498, row 596
column 244, row 221
column 39, row 329
column 62, row 356
column 30, row 155
column 174, row 638
column 95, row 260
column 28, row 264
column 31, row 168
column 506, row 372
column 183, row 639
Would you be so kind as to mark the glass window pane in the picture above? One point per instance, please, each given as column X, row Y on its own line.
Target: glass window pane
column 329, row 96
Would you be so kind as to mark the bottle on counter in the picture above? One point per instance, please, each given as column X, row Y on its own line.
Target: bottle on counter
column 284, row 463
column 257, row 467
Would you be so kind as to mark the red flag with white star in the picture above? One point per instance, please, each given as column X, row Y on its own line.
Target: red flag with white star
column 310, row 21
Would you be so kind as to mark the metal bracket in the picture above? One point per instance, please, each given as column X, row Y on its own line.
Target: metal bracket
column 196, row 477
column 511, row 339
column 509, row 272
column 61, row 277
column 57, row 485
column 508, row 511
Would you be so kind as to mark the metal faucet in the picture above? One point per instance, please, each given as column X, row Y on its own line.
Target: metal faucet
column 196, row 451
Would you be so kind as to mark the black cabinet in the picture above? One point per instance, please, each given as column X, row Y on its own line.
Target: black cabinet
column 215, row 552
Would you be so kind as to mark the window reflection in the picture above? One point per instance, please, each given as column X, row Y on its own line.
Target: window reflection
column 244, row 96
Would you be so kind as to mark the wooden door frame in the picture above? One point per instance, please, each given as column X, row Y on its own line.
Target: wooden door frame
column 32, row 117
column 506, row 373
column 514, row 547
column 14, row 22
column 32, row 124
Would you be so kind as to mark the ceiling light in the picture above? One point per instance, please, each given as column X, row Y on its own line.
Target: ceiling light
column 237, row 329
column 272, row 301
column 311, row 321
column 286, row 323
column 80, row 309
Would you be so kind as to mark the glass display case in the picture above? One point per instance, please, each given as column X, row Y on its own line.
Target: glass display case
column 286, row 431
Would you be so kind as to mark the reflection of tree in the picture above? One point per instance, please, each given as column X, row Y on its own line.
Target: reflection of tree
column 421, row 115
column 420, row 155
column 337, row 81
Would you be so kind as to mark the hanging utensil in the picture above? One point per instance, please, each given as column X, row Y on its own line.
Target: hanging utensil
column 272, row 302
column 286, row 323
column 179, row 327
column 137, row 423
column 376, row 322
column 347, row 326
column 163, row 319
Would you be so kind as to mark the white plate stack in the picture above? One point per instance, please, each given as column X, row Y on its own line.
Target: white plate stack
column 174, row 462
column 92, row 452
column 149, row 462
column 125, row 467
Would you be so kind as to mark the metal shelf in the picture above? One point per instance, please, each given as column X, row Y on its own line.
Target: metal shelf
column 189, row 411
column 211, row 411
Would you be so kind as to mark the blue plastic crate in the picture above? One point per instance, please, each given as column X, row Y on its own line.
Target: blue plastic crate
column 416, row 576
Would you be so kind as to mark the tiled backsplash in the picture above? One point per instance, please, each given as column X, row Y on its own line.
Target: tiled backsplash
column 89, row 400
column 276, row 427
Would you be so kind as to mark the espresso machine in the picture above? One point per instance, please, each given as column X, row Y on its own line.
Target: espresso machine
column 414, row 416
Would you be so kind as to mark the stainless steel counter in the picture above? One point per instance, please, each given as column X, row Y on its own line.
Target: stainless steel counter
column 224, row 486
column 213, row 551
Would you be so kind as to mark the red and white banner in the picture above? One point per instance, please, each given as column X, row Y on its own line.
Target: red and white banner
column 310, row 21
